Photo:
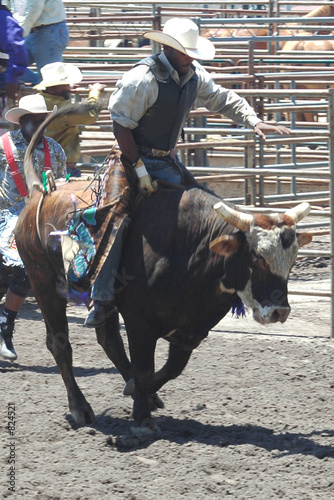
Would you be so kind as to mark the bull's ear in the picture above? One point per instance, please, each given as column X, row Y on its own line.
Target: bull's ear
column 304, row 239
column 224, row 245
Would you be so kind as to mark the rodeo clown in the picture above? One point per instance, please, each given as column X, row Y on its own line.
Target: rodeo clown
column 149, row 108
column 48, row 155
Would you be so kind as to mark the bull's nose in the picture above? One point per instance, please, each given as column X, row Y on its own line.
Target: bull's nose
column 280, row 314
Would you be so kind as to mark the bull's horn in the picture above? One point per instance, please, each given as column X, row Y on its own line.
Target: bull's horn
column 299, row 212
column 237, row 219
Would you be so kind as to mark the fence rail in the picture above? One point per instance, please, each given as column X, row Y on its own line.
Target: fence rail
column 273, row 175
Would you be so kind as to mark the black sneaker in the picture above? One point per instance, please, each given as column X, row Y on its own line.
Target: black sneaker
column 99, row 314
column 7, row 350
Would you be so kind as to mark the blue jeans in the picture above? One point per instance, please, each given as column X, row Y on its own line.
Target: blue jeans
column 30, row 76
column 104, row 285
column 46, row 45
column 166, row 169
column 162, row 169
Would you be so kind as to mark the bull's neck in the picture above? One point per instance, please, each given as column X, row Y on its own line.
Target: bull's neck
column 202, row 228
column 208, row 224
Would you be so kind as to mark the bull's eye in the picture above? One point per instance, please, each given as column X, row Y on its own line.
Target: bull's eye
column 259, row 262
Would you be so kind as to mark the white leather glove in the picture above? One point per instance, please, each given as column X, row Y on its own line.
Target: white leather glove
column 144, row 179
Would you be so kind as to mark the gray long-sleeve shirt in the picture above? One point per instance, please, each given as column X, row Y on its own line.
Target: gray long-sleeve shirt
column 138, row 90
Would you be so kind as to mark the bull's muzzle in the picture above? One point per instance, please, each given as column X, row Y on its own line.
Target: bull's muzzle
column 274, row 314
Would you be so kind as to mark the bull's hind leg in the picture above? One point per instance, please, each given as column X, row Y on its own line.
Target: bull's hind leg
column 53, row 308
column 108, row 336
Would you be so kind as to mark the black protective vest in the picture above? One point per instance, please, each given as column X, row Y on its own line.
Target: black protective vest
column 162, row 124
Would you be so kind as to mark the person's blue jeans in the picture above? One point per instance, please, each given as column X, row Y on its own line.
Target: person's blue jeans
column 45, row 45
column 104, row 286
column 162, row 169
column 168, row 169
column 30, row 76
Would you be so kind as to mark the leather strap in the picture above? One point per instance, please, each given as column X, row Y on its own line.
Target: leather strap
column 47, row 156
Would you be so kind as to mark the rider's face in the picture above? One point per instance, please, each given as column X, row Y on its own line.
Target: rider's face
column 60, row 90
column 181, row 62
column 30, row 123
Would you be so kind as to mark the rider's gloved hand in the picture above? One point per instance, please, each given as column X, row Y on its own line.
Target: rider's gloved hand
column 144, row 179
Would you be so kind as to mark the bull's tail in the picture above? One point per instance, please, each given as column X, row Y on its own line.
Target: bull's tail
column 32, row 179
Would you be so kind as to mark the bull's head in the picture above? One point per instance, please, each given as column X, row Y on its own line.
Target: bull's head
column 259, row 257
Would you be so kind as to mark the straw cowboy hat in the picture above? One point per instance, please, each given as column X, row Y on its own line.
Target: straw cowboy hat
column 29, row 104
column 59, row 73
column 183, row 35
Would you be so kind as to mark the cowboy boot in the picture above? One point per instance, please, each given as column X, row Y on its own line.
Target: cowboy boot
column 99, row 313
column 7, row 350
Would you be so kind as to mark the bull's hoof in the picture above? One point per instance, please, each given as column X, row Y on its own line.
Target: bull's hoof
column 129, row 389
column 154, row 400
column 147, row 428
column 83, row 415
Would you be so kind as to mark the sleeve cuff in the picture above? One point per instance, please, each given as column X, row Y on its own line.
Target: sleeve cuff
column 26, row 31
column 124, row 122
column 94, row 95
column 252, row 121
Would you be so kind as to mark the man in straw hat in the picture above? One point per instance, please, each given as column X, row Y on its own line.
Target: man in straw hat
column 149, row 108
column 153, row 100
column 30, row 113
column 58, row 78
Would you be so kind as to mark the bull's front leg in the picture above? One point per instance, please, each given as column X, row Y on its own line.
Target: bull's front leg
column 142, row 348
column 109, row 337
column 177, row 360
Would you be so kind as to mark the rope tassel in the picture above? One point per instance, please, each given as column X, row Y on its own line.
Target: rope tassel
column 238, row 308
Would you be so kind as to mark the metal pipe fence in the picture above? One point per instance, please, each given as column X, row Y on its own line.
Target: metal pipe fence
column 259, row 69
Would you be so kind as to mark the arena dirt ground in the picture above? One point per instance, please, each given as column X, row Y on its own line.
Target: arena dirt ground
column 251, row 417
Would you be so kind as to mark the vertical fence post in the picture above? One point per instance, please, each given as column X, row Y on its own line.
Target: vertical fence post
column 293, row 146
column 331, row 169
column 95, row 12
column 250, row 162
column 251, row 48
column 156, row 25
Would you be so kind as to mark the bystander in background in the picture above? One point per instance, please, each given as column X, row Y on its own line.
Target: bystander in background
column 45, row 31
column 48, row 155
column 13, row 57
column 56, row 89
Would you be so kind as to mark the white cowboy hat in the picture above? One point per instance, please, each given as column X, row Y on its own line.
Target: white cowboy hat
column 183, row 35
column 59, row 73
column 29, row 104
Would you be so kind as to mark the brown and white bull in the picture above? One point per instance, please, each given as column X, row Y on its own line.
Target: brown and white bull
column 187, row 258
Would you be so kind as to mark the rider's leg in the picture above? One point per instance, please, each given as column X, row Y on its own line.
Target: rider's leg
column 103, row 291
